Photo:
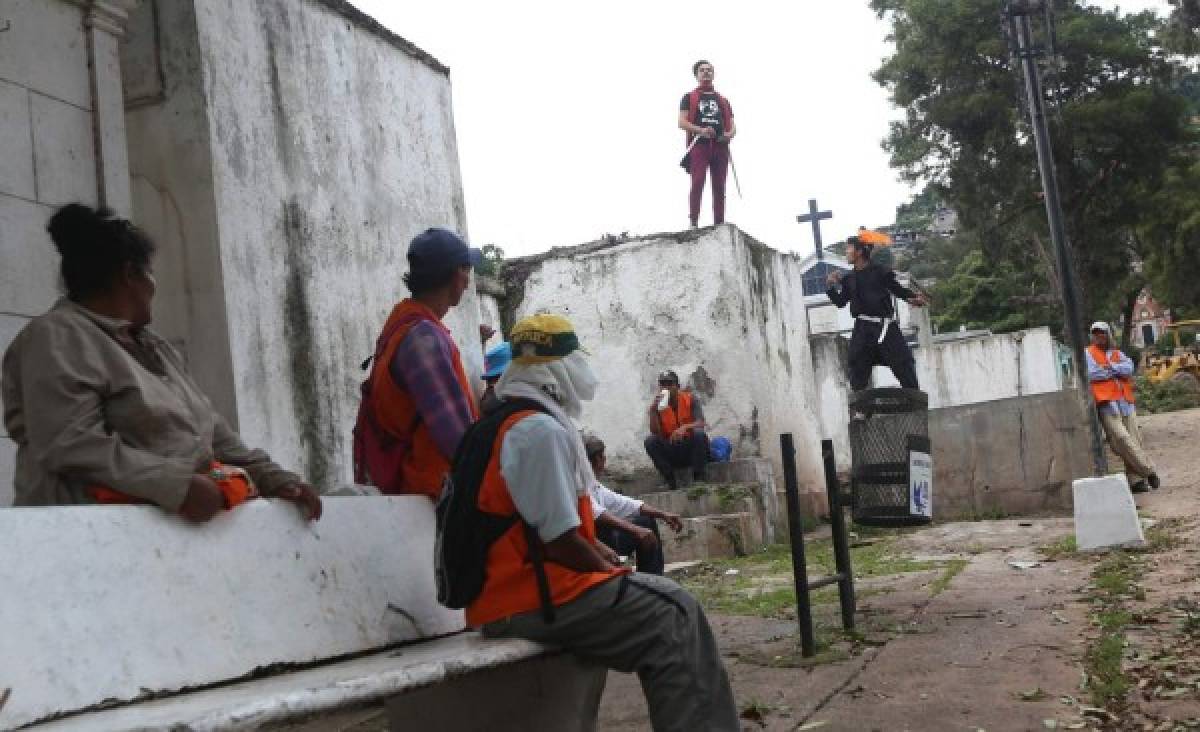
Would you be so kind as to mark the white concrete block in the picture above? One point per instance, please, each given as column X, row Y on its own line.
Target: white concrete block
column 16, row 142
column 142, row 602
column 28, row 261
column 44, row 49
column 1105, row 514
column 64, row 152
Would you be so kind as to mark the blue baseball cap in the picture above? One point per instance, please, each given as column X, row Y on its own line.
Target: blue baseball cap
column 496, row 360
column 438, row 250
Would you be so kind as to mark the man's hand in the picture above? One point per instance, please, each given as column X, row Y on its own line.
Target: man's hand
column 673, row 520
column 646, row 539
column 707, row 132
column 609, row 555
column 679, row 435
column 486, row 332
column 918, row 301
column 833, row 277
column 305, row 498
column 203, row 499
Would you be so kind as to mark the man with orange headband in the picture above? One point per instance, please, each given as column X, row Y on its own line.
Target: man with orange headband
column 707, row 119
column 876, row 338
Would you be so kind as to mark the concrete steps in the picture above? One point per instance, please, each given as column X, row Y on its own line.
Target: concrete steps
column 714, row 537
column 735, row 511
column 719, row 520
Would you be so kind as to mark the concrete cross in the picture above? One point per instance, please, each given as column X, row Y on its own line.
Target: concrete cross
column 814, row 216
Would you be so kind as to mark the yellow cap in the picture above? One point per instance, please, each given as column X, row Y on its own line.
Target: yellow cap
column 542, row 338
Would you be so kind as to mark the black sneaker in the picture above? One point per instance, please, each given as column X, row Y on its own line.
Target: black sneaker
column 1139, row 487
column 1155, row 483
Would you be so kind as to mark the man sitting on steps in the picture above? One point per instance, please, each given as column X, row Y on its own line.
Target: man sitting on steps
column 677, row 438
column 627, row 525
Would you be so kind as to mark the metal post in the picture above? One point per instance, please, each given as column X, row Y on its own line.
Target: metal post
column 841, row 541
column 1018, row 17
column 808, row 643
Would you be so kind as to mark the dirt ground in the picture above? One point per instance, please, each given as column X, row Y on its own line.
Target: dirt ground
column 990, row 625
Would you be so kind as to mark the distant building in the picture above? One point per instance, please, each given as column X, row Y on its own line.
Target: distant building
column 1150, row 320
column 824, row 317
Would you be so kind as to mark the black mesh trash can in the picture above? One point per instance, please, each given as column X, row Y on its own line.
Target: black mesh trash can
column 892, row 475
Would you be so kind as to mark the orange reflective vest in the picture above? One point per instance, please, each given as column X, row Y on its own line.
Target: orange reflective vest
column 233, row 482
column 510, row 587
column 1110, row 390
column 671, row 418
column 424, row 467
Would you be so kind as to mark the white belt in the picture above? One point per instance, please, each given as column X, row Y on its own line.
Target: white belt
column 887, row 322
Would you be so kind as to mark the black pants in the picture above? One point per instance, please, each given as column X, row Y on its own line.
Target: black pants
column 866, row 352
column 623, row 543
column 667, row 455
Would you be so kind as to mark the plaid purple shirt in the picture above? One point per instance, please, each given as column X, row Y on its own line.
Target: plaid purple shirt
column 423, row 365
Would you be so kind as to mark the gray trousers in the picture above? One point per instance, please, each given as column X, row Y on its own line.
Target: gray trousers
column 650, row 625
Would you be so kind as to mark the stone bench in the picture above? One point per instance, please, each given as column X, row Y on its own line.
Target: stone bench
column 123, row 618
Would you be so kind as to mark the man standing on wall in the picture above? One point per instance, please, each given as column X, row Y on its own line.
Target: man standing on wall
column 418, row 401
column 707, row 119
column 677, row 438
column 1111, row 375
column 876, row 338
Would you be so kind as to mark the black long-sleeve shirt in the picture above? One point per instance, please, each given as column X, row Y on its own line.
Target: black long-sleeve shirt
column 869, row 291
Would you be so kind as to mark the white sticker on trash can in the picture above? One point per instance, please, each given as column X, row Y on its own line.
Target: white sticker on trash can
column 920, row 484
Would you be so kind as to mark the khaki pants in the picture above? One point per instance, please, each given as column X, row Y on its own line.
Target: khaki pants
column 650, row 625
column 1125, row 438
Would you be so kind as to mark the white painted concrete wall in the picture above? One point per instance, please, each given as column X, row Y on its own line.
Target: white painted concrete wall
column 952, row 374
column 712, row 303
column 292, row 155
column 158, row 605
column 983, row 369
column 829, row 353
column 489, row 313
column 50, row 124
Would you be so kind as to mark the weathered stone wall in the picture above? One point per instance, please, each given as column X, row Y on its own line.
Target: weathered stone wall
column 293, row 151
column 1015, row 456
column 62, row 139
column 716, row 306
column 952, row 374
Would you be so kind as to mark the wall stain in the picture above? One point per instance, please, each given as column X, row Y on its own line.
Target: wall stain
column 301, row 344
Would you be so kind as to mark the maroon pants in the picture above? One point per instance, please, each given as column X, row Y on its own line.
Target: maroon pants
column 705, row 156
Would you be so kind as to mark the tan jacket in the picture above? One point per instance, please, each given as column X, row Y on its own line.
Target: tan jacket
column 87, row 403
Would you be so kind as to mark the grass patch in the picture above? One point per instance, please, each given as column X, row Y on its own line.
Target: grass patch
column 953, row 567
column 761, row 584
column 1106, row 682
column 1064, row 548
column 1164, row 536
column 1114, row 582
column 1113, row 577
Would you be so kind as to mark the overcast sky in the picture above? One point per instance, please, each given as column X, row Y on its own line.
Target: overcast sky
column 566, row 113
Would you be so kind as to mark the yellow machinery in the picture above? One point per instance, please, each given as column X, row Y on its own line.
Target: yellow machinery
column 1182, row 365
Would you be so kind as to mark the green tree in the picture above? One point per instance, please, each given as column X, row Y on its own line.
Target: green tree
column 493, row 260
column 1117, row 123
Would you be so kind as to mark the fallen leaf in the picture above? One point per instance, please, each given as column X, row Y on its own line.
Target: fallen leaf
column 1033, row 695
column 813, row 725
column 1050, row 723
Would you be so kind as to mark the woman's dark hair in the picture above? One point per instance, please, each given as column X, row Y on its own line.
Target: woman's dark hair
column 696, row 66
column 96, row 247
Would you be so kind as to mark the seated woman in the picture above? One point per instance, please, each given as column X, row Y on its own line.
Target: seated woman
column 103, row 410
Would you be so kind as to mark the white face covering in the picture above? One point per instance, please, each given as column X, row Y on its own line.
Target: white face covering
column 562, row 386
column 569, row 381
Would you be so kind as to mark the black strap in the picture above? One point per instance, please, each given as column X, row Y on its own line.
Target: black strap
column 537, row 556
